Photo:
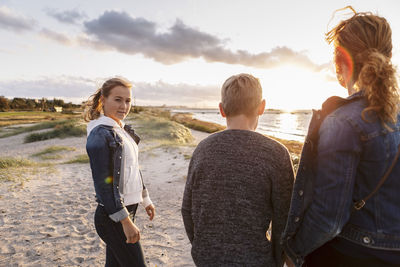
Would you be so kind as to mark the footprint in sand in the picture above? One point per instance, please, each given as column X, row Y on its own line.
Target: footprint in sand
column 91, row 235
column 9, row 250
column 59, row 222
column 82, row 211
column 79, row 259
column 75, row 216
column 49, row 229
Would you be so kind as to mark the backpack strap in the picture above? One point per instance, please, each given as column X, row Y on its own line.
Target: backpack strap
column 132, row 133
column 359, row 204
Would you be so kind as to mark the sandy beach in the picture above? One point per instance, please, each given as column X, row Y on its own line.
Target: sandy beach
column 48, row 220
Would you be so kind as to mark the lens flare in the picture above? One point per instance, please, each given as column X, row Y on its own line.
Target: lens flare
column 108, row 180
column 345, row 56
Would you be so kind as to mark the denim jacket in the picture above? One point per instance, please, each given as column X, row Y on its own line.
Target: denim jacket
column 104, row 147
column 351, row 157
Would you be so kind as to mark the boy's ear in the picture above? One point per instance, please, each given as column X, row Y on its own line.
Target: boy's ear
column 221, row 110
column 261, row 108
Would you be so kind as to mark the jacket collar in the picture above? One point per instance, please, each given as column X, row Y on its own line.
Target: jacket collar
column 358, row 94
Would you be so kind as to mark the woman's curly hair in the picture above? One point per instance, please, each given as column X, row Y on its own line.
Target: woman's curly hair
column 367, row 39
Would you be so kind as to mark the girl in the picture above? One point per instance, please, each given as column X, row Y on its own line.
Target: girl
column 345, row 208
column 113, row 152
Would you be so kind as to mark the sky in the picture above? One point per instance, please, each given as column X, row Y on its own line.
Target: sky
column 176, row 52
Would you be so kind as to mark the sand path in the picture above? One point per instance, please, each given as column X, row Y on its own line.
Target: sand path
column 49, row 221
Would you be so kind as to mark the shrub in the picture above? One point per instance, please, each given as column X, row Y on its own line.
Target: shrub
column 60, row 131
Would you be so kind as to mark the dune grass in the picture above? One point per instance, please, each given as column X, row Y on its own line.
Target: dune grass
column 151, row 127
column 195, row 124
column 8, row 162
column 294, row 147
column 37, row 127
column 64, row 130
column 52, row 152
column 24, row 117
column 79, row 159
column 19, row 169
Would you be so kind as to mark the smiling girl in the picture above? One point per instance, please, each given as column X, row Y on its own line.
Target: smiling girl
column 112, row 147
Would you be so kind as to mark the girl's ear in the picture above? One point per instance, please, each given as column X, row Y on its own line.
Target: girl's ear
column 221, row 110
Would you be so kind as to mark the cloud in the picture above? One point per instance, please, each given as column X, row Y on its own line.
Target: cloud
column 161, row 93
column 67, row 16
column 78, row 89
column 55, row 36
column 115, row 30
column 10, row 20
column 65, row 87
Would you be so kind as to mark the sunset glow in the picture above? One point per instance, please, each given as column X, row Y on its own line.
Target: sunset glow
column 171, row 54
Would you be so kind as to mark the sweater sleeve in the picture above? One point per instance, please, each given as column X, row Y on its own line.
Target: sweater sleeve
column 281, row 195
column 187, row 203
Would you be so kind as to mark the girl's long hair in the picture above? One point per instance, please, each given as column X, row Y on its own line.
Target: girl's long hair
column 365, row 40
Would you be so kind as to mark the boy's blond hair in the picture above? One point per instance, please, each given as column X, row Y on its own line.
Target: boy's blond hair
column 241, row 94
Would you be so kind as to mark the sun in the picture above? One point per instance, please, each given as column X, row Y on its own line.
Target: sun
column 291, row 88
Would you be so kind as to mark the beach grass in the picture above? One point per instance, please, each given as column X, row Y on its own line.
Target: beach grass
column 19, row 169
column 8, row 162
column 157, row 127
column 52, row 152
column 195, row 124
column 294, row 147
column 37, row 127
column 28, row 117
column 51, row 157
column 70, row 129
column 79, row 159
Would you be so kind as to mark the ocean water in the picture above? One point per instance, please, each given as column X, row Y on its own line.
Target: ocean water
column 278, row 123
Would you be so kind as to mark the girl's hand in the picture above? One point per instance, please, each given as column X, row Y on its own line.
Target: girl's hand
column 131, row 231
column 151, row 211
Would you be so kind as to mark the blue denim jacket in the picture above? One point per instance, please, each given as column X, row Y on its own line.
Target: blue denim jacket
column 351, row 157
column 104, row 148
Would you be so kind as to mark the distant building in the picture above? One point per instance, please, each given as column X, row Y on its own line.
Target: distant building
column 56, row 109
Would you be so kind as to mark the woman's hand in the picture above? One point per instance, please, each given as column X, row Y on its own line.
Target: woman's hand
column 131, row 231
column 151, row 211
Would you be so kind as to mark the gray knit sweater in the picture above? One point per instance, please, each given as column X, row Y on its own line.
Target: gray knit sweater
column 238, row 182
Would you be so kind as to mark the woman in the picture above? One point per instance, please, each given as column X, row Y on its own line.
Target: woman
column 113, row 152
column 343, row 162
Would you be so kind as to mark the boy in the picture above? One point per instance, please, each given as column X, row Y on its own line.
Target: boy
column 238, row 182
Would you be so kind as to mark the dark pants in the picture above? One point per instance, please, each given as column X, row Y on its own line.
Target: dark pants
column 118, row 252
column 327, row 256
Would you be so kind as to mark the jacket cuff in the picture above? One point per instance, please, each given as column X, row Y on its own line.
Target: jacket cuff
column 146, row 201
column 119, row 215
column 146, row 198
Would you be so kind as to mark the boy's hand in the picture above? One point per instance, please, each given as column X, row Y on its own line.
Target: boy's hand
column 151, row 211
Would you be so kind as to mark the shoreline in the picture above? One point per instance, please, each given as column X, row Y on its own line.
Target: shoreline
column 187, row 119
